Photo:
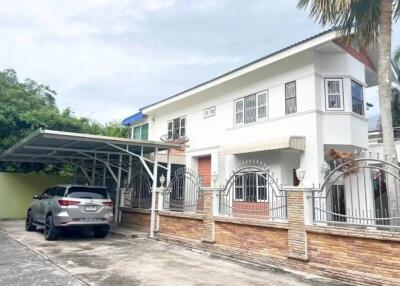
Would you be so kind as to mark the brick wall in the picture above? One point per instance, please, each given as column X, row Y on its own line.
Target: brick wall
column 249, row 209
column 136, row 217
column 362, row 257
column 372, row 260
column 189, row 227
column 266, row 241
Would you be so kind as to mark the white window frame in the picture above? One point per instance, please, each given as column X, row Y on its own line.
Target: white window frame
column 235, row 112
column 294, row 82
column 242, row 187
column 242, row 99
column 209, row 112
column 265, row 92
column 170, row 130
column 140, row 132
column 341, row 95
column 180, row 127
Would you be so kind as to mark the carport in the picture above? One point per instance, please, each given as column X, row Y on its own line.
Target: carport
column 95, row 158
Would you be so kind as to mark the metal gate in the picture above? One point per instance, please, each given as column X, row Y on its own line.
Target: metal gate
column 137, row 194
column 252, row 191
column 362, row 192
column 184, row 192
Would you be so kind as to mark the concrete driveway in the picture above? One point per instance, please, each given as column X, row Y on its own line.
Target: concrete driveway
column 79, row 259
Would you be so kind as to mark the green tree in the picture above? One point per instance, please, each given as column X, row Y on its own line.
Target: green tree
column 26, row 106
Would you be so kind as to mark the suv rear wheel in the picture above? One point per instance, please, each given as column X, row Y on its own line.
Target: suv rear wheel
column 101, row 231
column 29, row 226
column 50, row 230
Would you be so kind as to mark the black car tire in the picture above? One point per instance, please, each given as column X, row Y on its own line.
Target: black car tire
column 101, row 231
column 50, row 230
column 29, row 226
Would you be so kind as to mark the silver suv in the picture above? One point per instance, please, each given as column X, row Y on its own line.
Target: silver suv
column 63, row 206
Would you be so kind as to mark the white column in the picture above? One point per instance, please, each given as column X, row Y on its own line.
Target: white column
column 153, row 194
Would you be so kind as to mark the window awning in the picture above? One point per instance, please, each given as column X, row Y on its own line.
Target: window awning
column 290, row 142
column 137, row 117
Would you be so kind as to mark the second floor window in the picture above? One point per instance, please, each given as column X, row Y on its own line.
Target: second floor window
column 250, row 108
column 290, row 98
column 334, row 94
column 141, row 132
column 177, row 128
column 357, row 97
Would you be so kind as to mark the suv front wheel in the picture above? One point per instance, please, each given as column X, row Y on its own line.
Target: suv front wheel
column 29, row 226
column 50, row 230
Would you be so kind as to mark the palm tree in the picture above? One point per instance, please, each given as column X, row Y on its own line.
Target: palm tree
column 368, row 22
column 396, row 61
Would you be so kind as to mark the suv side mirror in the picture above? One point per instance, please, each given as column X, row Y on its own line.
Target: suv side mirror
column 35, row 197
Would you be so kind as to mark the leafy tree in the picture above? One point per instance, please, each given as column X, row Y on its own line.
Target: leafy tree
column 26, row 106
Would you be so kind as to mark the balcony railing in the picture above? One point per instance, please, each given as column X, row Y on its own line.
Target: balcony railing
column 174, row 139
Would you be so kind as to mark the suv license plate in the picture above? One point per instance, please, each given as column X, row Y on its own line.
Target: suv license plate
column 90, row 208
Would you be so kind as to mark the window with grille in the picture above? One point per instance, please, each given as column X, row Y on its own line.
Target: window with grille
column 251, row 187
column 177, row 128
column 357, row 97
column 250, row 108
column 290, row 98
column 262, row 105
column 334, row 94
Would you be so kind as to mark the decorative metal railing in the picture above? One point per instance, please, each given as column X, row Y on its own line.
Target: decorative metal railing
column 184, row 192
column 252, row 192
column 137, row 193
column 362, row 192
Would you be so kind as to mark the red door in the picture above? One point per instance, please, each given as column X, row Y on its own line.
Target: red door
column 204, row 170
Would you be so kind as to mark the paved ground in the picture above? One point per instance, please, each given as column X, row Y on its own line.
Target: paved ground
column 79, row 259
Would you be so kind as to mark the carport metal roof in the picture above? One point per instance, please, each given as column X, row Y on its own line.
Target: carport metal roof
column 50, row 145
column 81, row 150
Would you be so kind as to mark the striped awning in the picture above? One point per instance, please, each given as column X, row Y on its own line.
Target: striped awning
column 290, row 142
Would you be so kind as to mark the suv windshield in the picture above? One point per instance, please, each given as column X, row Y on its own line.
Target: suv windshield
column 87, row 193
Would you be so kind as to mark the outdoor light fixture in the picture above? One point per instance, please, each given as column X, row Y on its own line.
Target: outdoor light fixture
column 162, row 180
column 325, row 168
column 300, row 173
column 214, row 178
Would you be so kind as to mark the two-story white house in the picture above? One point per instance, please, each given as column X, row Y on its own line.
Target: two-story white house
column 285, row 110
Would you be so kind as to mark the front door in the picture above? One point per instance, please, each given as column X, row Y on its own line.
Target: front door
column 204, row 170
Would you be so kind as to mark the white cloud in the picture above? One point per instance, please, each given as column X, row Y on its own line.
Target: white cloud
column 107, row 58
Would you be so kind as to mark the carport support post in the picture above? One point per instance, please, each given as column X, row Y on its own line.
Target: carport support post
column 154, row 193
column 118, row 194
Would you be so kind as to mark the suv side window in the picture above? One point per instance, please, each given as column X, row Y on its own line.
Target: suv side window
column 45, row 194
column 59, row 191
column 51, row 192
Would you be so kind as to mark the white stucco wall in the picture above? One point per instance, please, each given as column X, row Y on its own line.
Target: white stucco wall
column 319, row 127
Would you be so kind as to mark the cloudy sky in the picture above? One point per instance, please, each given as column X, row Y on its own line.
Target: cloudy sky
column 107, row 58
